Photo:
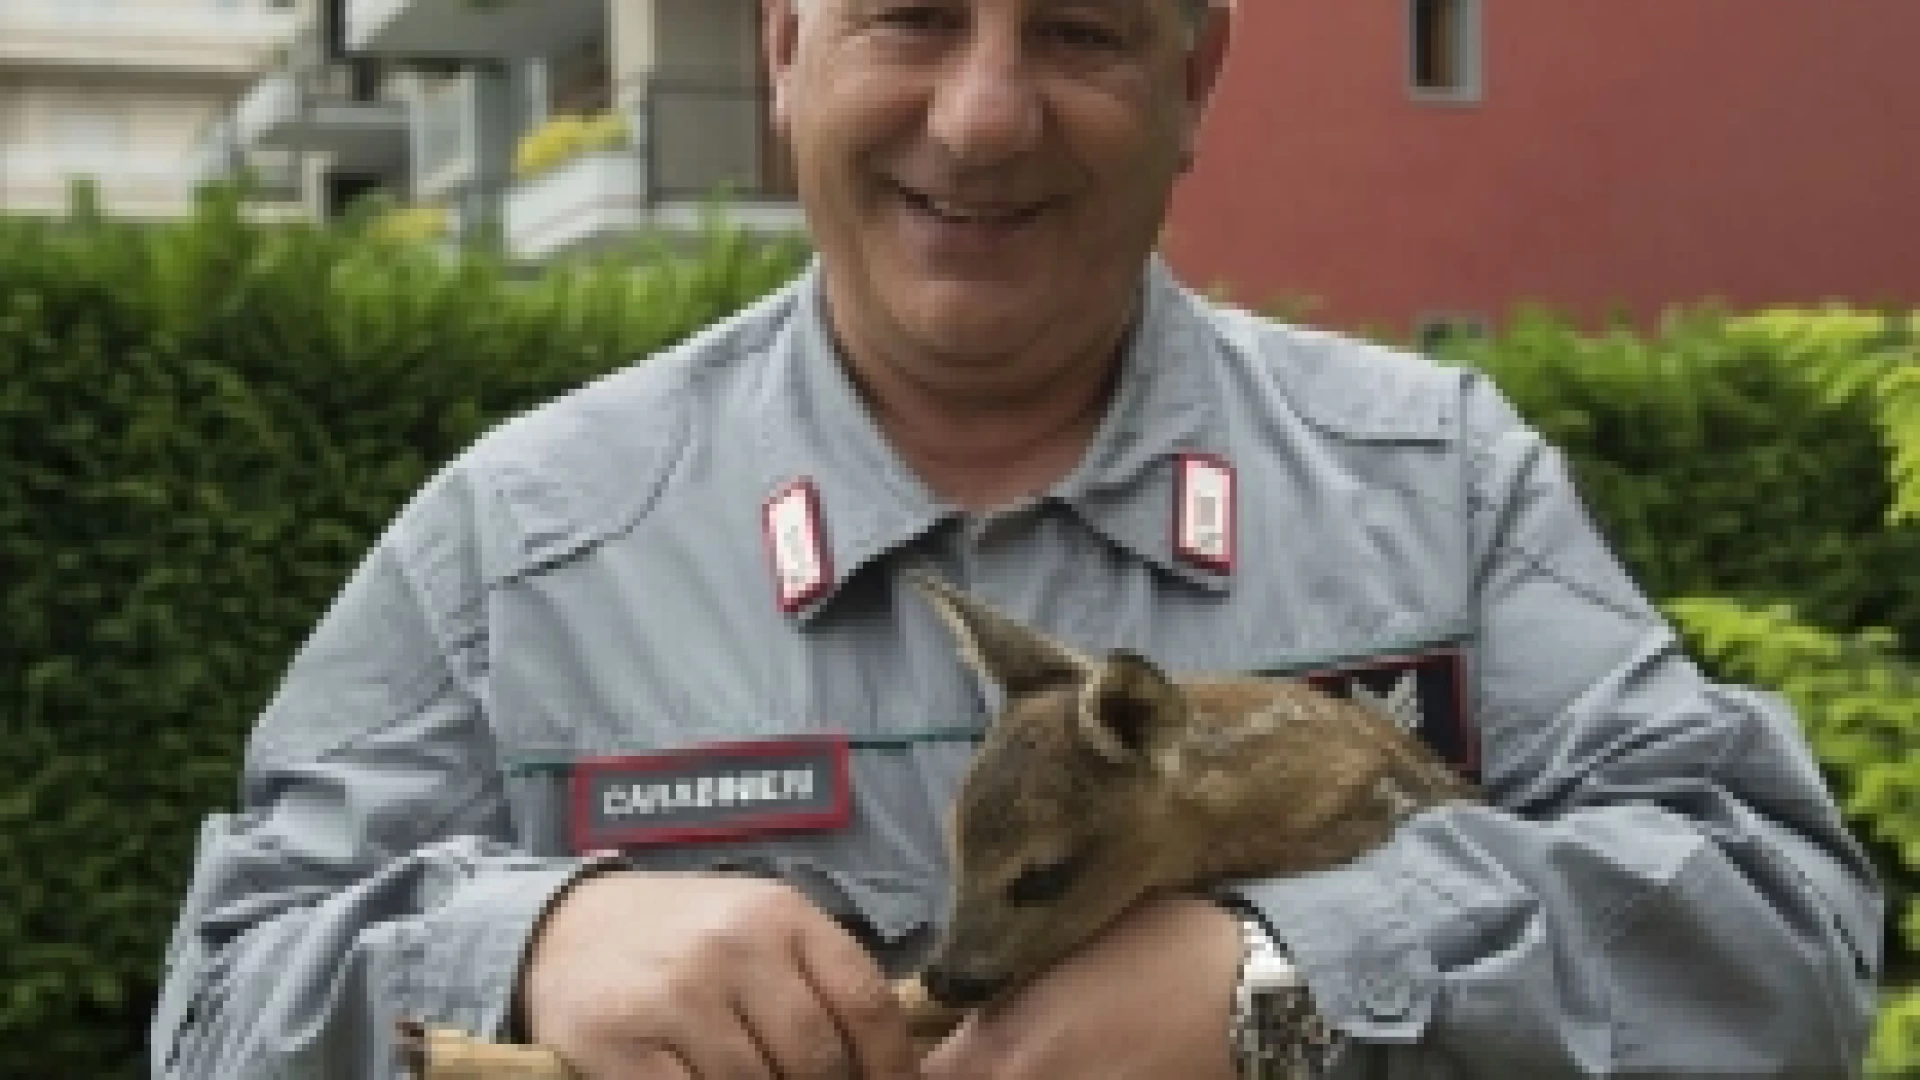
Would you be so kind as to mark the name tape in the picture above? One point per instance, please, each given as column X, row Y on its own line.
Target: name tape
column 719, row 792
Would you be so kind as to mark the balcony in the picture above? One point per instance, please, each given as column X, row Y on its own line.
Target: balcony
column 331, row 108
column 39, row 180
column 465, row 29
column 272, row 176
column 463, row 129
column 695, row 143
column 200, row 37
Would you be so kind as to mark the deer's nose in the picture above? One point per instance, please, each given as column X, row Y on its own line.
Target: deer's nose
column 959, row 990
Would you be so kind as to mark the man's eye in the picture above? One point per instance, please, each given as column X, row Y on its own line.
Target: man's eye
column 919, row 18
column 1043, row 883
column 1083, row 35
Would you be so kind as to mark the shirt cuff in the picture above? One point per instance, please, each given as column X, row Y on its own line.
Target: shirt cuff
column 470, row 957
column 1361, row 956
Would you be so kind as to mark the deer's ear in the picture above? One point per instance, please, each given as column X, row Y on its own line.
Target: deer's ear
column 1020, row 660
column 1126, row 706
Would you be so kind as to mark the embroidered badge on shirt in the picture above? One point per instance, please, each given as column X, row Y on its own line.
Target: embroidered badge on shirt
column 723, row 791
column 796, row 545
column 1203, row 519
column 1425, row 692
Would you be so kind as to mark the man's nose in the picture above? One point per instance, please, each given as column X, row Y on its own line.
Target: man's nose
column 986, row 107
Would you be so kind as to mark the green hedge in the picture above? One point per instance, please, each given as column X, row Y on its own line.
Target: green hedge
column 1732, row 457
column 1861, row 706
column 1761, row 474
column 205, row 425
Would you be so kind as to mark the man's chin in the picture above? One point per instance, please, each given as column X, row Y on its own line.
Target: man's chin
column 979, row 316
column 973, row 332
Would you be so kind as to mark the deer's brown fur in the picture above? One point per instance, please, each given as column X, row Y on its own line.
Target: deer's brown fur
column 1103, row 781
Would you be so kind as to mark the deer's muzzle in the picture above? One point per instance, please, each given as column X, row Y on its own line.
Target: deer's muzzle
column 959, row 990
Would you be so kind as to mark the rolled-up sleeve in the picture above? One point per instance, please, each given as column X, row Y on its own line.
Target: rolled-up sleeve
column 368, row 873
column 1658, row 884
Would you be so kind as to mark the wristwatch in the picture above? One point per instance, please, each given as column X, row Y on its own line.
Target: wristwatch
column 1276, row 1033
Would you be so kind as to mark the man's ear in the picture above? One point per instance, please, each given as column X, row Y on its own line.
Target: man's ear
column 1019, row 659
column 1206, row 59
column 781, row 35
column 1127, row 706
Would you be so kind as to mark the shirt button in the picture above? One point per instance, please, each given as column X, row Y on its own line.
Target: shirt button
column 1386, row 996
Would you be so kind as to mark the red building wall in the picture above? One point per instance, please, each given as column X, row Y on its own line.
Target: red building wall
column 1624, row 155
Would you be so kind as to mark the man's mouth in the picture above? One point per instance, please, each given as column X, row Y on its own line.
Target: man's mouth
column 964, row 212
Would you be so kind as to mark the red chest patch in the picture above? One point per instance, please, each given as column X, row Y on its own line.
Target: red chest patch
column 1425, row 691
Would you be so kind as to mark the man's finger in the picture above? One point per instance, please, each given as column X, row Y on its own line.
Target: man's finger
column 724, row 1049
column 645, row 1062
column 855, row 992
column 794, row 1028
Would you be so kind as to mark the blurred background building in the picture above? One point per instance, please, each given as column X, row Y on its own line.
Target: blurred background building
column 425, row 103
column 1423, row 165
column 1412, row 166
column 124, row 92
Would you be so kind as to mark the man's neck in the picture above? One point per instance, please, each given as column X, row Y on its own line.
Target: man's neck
column 981, row 449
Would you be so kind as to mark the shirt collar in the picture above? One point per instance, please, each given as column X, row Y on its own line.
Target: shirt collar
column 1165, row 405
column 815, row 429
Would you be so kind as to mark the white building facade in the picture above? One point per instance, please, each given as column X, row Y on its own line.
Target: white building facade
column 124, row 93
column 424, row 102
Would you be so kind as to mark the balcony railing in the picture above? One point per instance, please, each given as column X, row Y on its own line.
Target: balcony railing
column 583, row 203
column 202, row 36
column 444, row 122
column 270, row 176
column 336, row 107
column 695, row 141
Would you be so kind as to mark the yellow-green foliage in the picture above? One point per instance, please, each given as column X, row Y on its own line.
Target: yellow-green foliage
column 1899, row 392
column 1768, row 467
column 1858, row 699
column 1733, row 458
column 1849, row 352
column 1860, row 703
column 1896, row 1038
column 564, row 138
column 413, row 224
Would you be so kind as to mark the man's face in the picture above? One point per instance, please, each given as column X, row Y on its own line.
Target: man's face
column 986, row 177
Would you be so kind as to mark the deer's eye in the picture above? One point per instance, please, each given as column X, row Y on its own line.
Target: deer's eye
column 1043, row 883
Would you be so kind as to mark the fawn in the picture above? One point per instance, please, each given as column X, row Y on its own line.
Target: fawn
column 1102, row 781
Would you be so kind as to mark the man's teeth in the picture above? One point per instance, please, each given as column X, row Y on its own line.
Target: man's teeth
column 969, row 214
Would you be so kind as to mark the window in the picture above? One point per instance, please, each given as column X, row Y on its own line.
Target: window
column 1444, row 49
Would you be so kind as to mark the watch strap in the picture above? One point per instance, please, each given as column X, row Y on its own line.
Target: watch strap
column 1276, row 1032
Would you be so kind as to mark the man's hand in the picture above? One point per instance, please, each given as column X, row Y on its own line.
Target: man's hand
column 704, row 977
column 1150, row 998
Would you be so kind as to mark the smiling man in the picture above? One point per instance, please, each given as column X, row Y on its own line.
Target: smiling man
column 480, row 797
column 983, row 183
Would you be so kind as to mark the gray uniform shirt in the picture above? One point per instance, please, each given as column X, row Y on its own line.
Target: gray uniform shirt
column 1657, row 885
